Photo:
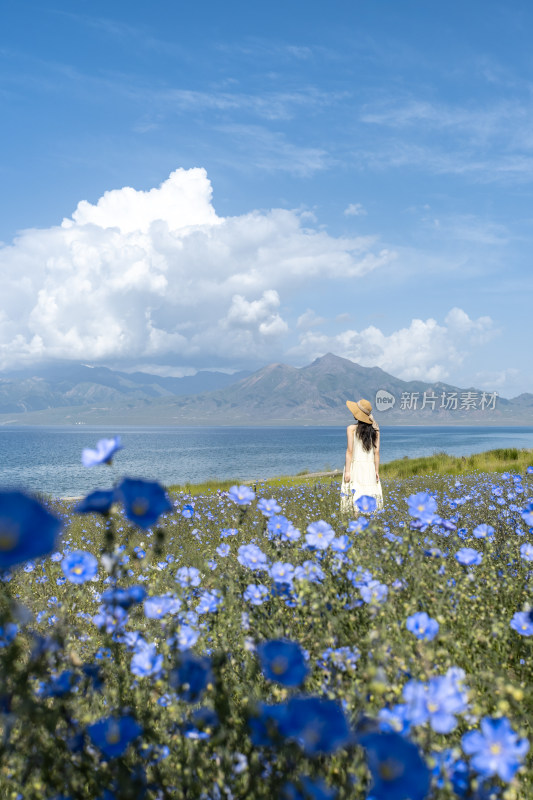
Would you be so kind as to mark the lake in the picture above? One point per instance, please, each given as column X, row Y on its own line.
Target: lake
column 48, row 459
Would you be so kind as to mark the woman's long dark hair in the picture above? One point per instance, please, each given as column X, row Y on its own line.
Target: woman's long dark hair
column 367, row 434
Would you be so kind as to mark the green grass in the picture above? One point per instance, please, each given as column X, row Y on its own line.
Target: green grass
column 440, row 463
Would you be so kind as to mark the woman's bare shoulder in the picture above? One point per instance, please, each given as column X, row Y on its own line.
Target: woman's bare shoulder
column 351, row 428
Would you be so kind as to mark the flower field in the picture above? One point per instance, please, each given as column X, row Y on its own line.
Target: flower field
column 244, row 645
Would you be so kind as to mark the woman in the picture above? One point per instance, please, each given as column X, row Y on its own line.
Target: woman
column 361, row 469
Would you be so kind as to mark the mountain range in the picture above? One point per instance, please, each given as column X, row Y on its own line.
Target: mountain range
column 277, row 394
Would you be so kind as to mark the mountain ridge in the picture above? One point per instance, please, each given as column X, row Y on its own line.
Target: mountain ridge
column 275, row 394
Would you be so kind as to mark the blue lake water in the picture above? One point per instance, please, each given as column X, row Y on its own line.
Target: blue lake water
column 48, row 459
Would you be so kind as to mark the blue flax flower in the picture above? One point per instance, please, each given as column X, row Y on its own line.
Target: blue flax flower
column 319, row 535
column 146, row 662
column 422, row 506
column 469, row 557
column 209, row 602
column 27, row 529
column 366, row 504
column 268, row 507
column 397, row 768
column 113, row 735
column 241, row 495
column 483, row 531
column 282, row 573
column 191, row 677
column 283, row 661
column 256, row 594
column 79, row 566
column 265, row 722
column 188, row 576
column 251, row 556
column 105, row 450
column 522, row 623
column 278, row 524
column 8, row 633
column 496, row 749
column 438, row 701
column 374, row 592
column 526, row 551
column 144, row 501
column 158, row 607
column 422, row 625
column 317, row 724
column 98, row 502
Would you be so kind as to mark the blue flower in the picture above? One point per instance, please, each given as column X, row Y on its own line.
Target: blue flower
column 265, row 723
column 114, row 734
column 468, row 556
column 282, row 573
column 483, row 531
column 268, row 507
column 283, row 661
column 241, row 495
column 358, row 525
column 187, row 637
column 144, row 501
column 223, row 550
column 209, row 602
column 188, row 511
column 27, row 529
column 527, row 513
column 99, row 502
column 79, row 566
column 278, row 524
column 526, row 551
column 319, row 535
column 422, row 625
column 188, row 576
column 251, row 556
column 397, row 768
column 317, row 724
column 158, row 607
column 256, row 594
column 8, row 633
column 146, row 662
column 366, row 504
column 422, row 506
column 309, row 571
column 191, row 676
column 374, row 592
column 496, row 749
column 105, row 450
column 522, row 623
column 438, row 701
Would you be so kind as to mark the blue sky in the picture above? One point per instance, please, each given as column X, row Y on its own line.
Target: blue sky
column 354, row 178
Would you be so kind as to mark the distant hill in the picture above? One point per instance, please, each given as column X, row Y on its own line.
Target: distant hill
column 64, row 385
column 276, row 394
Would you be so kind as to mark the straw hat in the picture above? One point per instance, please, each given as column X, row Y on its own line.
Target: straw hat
column 362, row 410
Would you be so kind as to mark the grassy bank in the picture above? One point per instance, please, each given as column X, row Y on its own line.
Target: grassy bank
column 502, row 460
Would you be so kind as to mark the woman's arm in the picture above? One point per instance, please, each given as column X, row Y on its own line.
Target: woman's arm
column 376, row 457
column 349, row 450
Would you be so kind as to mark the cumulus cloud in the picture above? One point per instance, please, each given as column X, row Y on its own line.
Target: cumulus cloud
column 155, row 275
column 425, row 350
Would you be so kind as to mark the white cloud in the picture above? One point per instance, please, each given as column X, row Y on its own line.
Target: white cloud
column 354, row 210
column 425, row 350
column 158, row 276
column 309, row 319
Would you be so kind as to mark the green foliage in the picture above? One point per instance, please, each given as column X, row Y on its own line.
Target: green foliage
column 45, row 751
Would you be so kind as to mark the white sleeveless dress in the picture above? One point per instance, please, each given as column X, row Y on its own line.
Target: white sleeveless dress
column 363, row 479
